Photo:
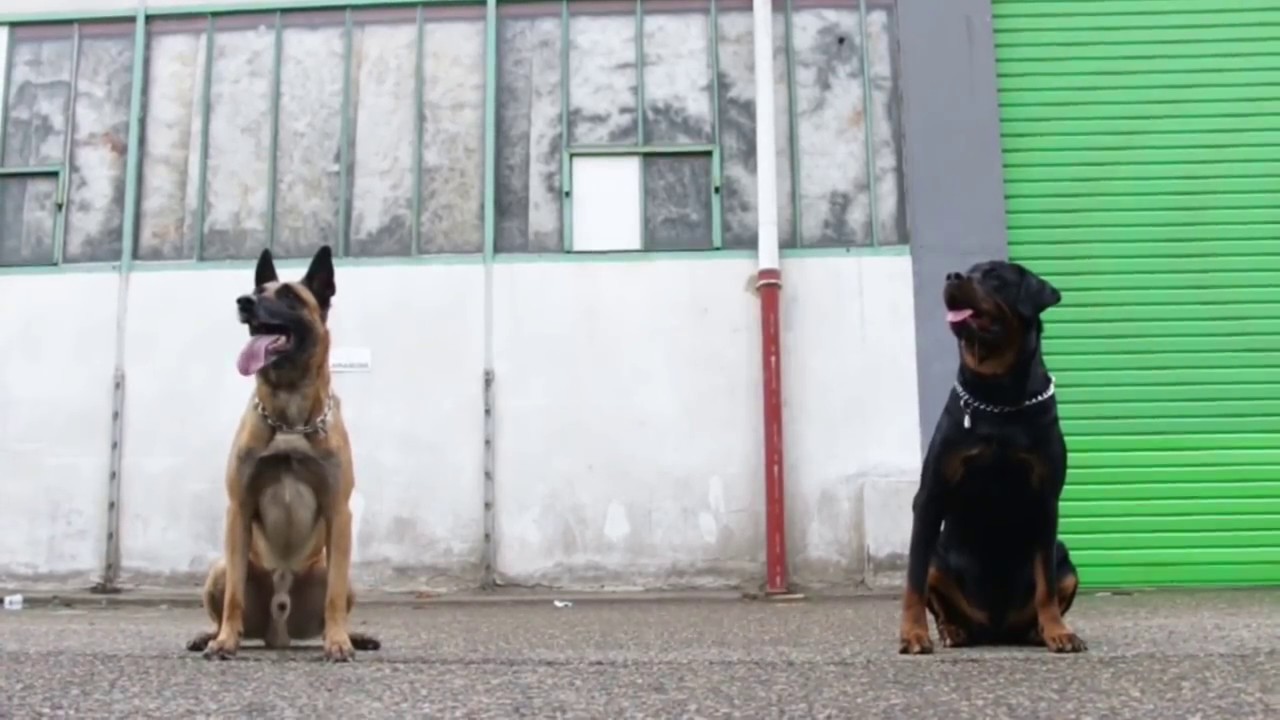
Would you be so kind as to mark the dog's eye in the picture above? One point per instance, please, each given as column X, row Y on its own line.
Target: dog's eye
column 287, row 295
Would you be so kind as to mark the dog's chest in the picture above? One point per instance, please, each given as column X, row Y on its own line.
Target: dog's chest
column 286, row 468
column 998, row 485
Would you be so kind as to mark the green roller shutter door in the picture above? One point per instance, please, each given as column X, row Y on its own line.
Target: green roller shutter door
column 1142, row 176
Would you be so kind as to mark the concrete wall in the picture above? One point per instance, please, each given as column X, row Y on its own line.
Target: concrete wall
column 953, row 169
column 629, row 429
column 627, row 396
column 627, row 403
column 55, row 423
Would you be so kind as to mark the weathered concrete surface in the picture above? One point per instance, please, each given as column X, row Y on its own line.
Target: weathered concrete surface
column 1160, row 655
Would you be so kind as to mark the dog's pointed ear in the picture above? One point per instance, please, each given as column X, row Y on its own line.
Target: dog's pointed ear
column 319, row 277
column 266, row 270
column 1036, row 294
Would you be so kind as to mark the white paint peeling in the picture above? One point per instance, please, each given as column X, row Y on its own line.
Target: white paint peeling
column 715, row 495
column 707, row 524
column 616, row 525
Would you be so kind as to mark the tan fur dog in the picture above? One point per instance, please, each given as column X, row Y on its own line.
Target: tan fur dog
column 285, row 571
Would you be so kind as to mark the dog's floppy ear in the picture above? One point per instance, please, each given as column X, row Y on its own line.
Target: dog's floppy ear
column 319, row 277
column 1036, row 294
column 266, row 270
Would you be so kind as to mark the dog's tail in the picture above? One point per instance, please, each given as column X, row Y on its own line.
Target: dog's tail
column 278, row 632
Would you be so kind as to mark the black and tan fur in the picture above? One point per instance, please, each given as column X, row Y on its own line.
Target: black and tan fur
column 985, row 558
column 287, row 546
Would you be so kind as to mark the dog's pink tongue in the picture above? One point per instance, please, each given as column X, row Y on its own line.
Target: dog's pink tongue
column 955, row 316
column 254, row 355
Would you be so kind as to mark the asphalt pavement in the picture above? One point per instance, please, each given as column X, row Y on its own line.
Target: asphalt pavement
column 1153, row 655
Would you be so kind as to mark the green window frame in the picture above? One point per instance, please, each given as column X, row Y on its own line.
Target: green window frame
column 10, row 173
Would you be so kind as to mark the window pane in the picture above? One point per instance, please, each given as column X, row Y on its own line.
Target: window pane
column 453, row 136
column 835, row 202
column 884, row 120
column 382, row 178
column 677, row 77
column 529, row 132
column 39, row 85
column 738, row 128
column 99, row 145
column 27, row 213
column 677, row 210
column 308, row 181
column 239, row 139
column 602, row 78
column 171, row 145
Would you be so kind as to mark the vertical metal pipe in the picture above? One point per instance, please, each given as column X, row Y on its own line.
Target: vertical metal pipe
column 489, row 571
column 769, row 286
column 717, row 155
column 566, row 168
column 273, row 150
column 868, row 125
column 64, row 177
column 203, row 164
column 128, row 237
column 640, row 139
column 419, row 78
column 5, row 69
column 344, row 143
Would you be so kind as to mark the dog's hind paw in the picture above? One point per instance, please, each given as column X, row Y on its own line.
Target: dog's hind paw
column 952, row 636
column 364, row 641
column 915, row 642
column 200, row 642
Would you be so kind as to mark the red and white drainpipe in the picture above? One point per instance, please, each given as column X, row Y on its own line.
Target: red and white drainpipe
column 769, row 288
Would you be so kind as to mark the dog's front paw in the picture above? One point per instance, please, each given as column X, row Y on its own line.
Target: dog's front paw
column 223, row 647
column 338, row 647
column 915, row 641
column 1063, row 641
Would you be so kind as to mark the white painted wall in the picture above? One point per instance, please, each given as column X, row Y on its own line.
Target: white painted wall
column 628, row 448
column 629, row 417
column 57, row 340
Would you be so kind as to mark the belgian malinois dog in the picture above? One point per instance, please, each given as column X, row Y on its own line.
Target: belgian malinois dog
column 287, row 547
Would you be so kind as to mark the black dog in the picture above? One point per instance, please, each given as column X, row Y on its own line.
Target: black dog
column 985, row 557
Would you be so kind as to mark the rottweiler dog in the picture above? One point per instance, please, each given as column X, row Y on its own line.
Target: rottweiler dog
column 985, row 558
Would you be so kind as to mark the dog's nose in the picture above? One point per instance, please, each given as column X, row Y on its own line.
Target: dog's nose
column 954, row 276
column 245, row 303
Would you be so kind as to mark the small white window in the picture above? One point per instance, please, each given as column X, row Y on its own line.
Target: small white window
column 606, row 203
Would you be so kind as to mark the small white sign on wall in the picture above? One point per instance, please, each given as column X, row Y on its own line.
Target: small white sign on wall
column 350, row 359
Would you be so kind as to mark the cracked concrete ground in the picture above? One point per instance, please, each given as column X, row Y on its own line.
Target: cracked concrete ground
column 1156, row 655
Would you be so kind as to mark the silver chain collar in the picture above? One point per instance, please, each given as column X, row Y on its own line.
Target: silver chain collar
column 319, row 426
column 968, row 404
